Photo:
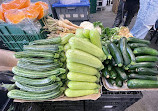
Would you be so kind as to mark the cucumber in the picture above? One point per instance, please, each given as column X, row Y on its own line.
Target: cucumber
column 131, row 55
column 111, row 81
column 23, row 95
column 35, row 67
column 137, row 83
column 78, row 93
column 147, row 71
column 109, row 67
column 35, row 74
column 105, row 50
column 123, row 49
column 145, row 51
column 136, row 45
column 121, row 73
column 142, row 64
column 52, row 41
column 113, row 74
column 28, row 54
column 36, row 82
column 82, row 85
column 116, row 54
column 73, row 76
column 146, row 59
column 136, row 40
column 106, row 73
column 44, row 48
column 38, row 89
column 145, row 77
column 119, row 82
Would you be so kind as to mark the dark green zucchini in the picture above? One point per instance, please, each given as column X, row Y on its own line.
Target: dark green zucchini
column 146, row 58
column 145, row 51
column 105, row 50
column 137, row 83
column 123, row 49
column 116, row 54
column 105, row 72
column 113, row 63
column 131, row 55
column 142, row 64
column 121, row 73
column 147, row 71
column 111, row 81
column 52, row 41
column 113, row 74
column 136, row 40
column 136, row 45
column 145, row 77
column 119, row 82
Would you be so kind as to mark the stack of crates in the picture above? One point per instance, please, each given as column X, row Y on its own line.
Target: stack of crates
column 73, row 12
column 101, row 5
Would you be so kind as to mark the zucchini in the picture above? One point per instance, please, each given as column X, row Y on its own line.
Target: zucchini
column 109, row 67
column 35, row 74
column 105, row 73
column 23, row 95
column 145, row 51
column 81, row 68
column 73, row 76
column 36, row 82
column 35, row 67
column 82, row 85
column 67, row 47
column 142, row 64
column 121, row 73
column 119, row 82
column 136, row 45
column 113, row 63
column 81, row 44
column 28, row 54
column 145, row 77
column 113, row 74
column 123, row 49
column 146, row 59
column 78, row 93
column 38, row 89
column 116, row 54
column 131, row 55
column 111, row 81
column 44, row 48
column 137, row 83
column 136, row 40
column 74, row 55
column 65, row 39
column 52, row 41
column 106, row 52
column 147, row 71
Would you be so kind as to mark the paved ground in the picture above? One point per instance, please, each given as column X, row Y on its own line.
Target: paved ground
column 149, row 102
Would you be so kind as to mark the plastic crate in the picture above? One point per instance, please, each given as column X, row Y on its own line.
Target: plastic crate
column 15, row 38
column 73, row 12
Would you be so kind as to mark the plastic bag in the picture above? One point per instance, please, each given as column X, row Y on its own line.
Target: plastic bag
column 65, row 2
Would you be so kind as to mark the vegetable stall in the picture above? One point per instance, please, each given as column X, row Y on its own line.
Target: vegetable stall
column 70, row 62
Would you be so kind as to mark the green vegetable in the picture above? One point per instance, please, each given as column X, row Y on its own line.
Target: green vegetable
column 131, row 55
column 95, row 38
column 145, row 77
column 109, row 67
column 145, row 51
column 106, row 62
column 113, row 74
column 52, row 41
column 136, row 45
column 106, row 73
column 36, row 82
column 81, row 68
column 86, row 33
column 137, row 83
column 147, row 71
column 119, row 82
column 8, row 87
column 35, row 74
column 123, row 49
column 78, row 56
column 142, row 64
column 116, row 54
column 81, row 44
column 67, row 47
column 79, row 33
column 73, row 76
column 121, row 73
column 146, row 59
column 82, row 85
column 136, row 40
column 105, row 50
column 78, row 93
column 65, row 39
column 111, row 81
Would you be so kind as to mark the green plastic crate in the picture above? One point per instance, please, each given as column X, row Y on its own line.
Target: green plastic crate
column 15, row 38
